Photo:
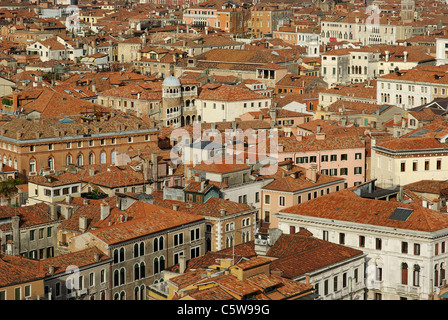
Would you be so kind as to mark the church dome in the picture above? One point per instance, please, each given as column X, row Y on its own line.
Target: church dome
column 171, row 81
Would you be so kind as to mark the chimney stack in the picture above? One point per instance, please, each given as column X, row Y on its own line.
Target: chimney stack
column 83, row 223
column 182, row 264
column 105, row 211
column 53, row 211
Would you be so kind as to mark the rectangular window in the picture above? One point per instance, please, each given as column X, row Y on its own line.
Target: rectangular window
column 358, row 170
column 439, row 164
column 325, row 235
column 378, row 244
column 49, row 232
column 426, row 165
column 28, row 291
column 281, row 201
column 416, row 249
column 344, row 280
column 32, row 234
column 91, row 279
column 324, row 158
column 362, row 241
column 103, row 276
column 415, row 165
column 41, row 233
column 194, row 234
column 3, row 295
column 358, row 156
column 325, row 287
column 404, row 247
column 403, row 167
column 17, row 293
column 343, row 157
column 267, row 199
column 334, row 157
column 178, row 239
column 341, row 238
column 335, row 284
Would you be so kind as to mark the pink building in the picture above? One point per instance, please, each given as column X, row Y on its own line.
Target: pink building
column 340, row 155
column 293, row 185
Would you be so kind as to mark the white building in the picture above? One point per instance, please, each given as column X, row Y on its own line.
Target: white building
column 413, row 87
column 414, row 157
column 344, row 66
column 55, row 48
column 405, row 243
column 216, row 102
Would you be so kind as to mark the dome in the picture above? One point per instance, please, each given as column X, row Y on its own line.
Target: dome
column 171, row 81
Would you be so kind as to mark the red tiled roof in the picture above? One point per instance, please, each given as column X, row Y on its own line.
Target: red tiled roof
column 220, row 167
column 346, row 206
column 154, row 219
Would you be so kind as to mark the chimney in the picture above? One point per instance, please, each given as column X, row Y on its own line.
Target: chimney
column 91, row 172
column 68, row 199
column 96, row 257
column 53, row 211
column 51, row 270
column 83, row 223
column 318, row 128
column 320, row 136
column 223, row 212
column 105, row 211
column 182, row 264
column 175, row 207
column 387, row 52
column 405, row 56
column 311, row 174
column 299, row 137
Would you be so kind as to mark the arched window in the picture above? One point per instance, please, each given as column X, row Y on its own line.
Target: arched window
column 112, row 157
column 68, row 160
column 32, row 165
column 416, row 276
column 156, row 266
column 404, row 273
column 116, row 278
column 51, row 163
column 161, row 243
column 116, row 260
column 142, row 270
column 142, row 292
column 103, row 157
column 122, row 276
column 442, row 272
column 136, row 293
column 436, row 275
column 79, row 160
column 121, row 254
column 122, row 295
column 136, row 272
column 156, row 244
column 15, row 163
column 92, row 158
column 135, row 250
column 162, row 263
column 142, row 248
column 116, row 296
